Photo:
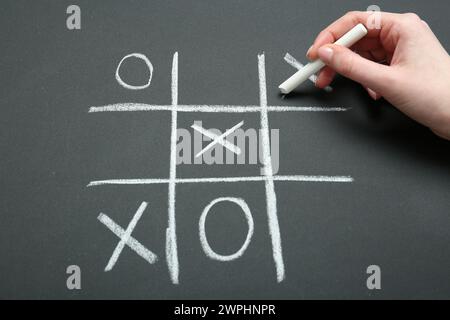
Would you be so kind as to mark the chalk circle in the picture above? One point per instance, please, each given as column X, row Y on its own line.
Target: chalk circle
column 147, row 62
column 204, row 241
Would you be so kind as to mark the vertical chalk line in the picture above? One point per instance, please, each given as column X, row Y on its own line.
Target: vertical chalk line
column 271, row 198
column 171, row 236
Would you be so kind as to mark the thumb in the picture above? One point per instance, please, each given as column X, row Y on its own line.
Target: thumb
column 351, row 65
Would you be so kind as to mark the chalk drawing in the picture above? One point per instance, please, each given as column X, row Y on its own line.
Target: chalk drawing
column 204, row 241
column 268, row 177
column 271, row 198
column 297, row 65
column 133, row 107
column 126, row 238
column 171, row 235
column 149, row 66
column 296, row 178
column 218, row 139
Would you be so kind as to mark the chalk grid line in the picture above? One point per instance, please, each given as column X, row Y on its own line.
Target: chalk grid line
column 171, row 236
column 271, row 198
column 268, row 177
column 201, row 108
column 293, row 178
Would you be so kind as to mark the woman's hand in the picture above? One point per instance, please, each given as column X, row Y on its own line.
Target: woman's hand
column 402, row 61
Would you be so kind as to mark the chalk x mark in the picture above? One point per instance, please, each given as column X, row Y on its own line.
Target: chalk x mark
column 218, row 139
column 126, row 238
column 298, row 65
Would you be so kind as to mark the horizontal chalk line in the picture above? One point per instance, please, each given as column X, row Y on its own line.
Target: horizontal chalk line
column 128, row 107
column 298, row 178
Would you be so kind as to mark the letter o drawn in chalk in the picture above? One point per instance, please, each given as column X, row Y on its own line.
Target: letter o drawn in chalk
column 147, row 62
column 204, row 242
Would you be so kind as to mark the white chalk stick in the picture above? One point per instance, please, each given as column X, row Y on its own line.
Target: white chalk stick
column 347, row 40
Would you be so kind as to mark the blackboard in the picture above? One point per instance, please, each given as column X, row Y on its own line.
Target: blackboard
column 391, row 210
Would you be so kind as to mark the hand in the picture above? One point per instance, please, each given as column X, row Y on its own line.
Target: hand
column 403, row 62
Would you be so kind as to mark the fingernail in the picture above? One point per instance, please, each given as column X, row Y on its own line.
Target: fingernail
column 325, row 54
column 309, row 51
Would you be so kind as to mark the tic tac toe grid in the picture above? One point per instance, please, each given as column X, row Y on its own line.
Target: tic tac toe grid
column 267, row 177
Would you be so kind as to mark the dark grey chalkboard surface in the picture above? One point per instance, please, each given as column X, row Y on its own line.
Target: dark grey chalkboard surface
column 395, row 213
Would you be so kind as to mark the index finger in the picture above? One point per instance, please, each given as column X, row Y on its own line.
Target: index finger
column 341, row 26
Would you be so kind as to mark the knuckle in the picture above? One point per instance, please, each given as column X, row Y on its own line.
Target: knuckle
column 354, row 17
column 351, row 14
column 411, row 16
column 323, row 33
